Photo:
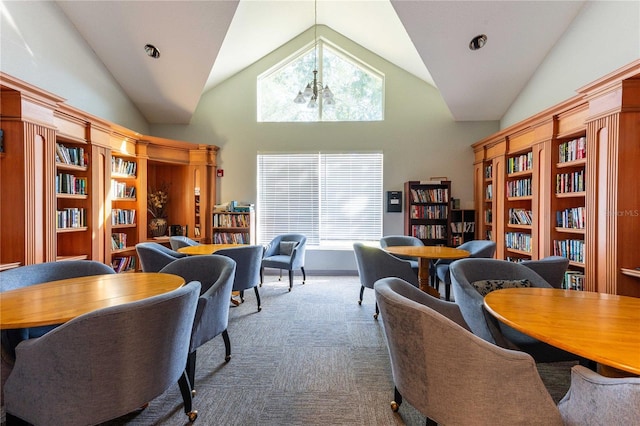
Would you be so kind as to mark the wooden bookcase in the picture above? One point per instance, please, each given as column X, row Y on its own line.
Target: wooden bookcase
column 518, row 205
column 463, row 226
column 427, row 212
column 597, row 188
column 234, row 227
column 37, row 127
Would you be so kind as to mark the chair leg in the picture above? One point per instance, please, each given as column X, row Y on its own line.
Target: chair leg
column 447, row 287
column 190, row 371
column 241, row 296
column 258, row 298
column 375, row 316
column 227, row 345
column 397, row 400
column 261, row 276
column 280, row 278
column 304, row 274
column 290, row 280
column 187, row 397
column 361, row 293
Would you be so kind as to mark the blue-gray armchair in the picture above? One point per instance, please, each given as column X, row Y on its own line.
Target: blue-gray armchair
column 178, row 241
column 154, row 256
column 403, row 240
column 551, row 268
column 104, row 364
column 286, row 251
column 248, row 263
column 215, row 273
column 374, row 263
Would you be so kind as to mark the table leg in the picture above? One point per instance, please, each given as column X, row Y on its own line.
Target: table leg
column 424, row 272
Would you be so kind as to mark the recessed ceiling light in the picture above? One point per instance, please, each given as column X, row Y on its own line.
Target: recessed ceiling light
column 152, row 51
column 477, row 42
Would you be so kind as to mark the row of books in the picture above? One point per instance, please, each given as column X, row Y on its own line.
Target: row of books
column 70, row 184
column 520, row 163
column 462, row 227
column 231, row 238
column 75, row 156
column 429, row 232
column 123, row 167
column 488, row 192
column 122, row 190
column 433, row 195
column 572, row 150
column 571, row 218
column 518, row 241
column 124, row 263
column 456, row 240
column 571, row 249
column 73, row 217
column 118, row 240
column 570, row 182
column 429, row 212
column 520, row 217
column 488, row 171
column 488, row 216
column 519, row 188
column 573, row 280
column 123, row 217
column 231, row 220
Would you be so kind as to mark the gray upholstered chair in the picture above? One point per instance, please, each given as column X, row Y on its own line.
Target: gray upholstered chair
column 464, row 272
column 35, row 274
column 374, row 263
column 551, row 268
column 450, row 375
column 178, row 241
column 597, row 400
column 216, row 274
column 248, row 263
column 286, row 251
column 154, row 256
column 476, row 248
column 104, row 364
column 403, row 240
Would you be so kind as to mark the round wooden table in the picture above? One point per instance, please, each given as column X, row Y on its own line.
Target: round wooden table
column 426, row 255
column 56, row 302
column 601, row 327
column 204, row 249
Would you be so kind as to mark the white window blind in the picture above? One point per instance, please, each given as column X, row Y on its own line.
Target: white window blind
column 332, row 198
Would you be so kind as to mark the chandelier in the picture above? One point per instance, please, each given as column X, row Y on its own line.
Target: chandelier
column 314, row 90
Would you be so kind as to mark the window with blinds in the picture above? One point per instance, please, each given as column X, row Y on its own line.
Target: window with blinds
column 332, row 198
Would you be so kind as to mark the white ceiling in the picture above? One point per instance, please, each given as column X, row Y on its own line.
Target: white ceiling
column 202, row 43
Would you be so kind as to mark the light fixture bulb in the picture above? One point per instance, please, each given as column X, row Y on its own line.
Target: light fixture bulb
column 152, row 51
column 478, row 42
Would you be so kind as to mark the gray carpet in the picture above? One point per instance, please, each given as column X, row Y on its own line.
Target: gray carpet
column 311, row 357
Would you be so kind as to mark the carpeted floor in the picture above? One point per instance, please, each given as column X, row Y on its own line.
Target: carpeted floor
column 310, row 357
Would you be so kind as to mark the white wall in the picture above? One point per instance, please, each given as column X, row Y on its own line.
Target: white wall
column 602, row 38
column 39, row 45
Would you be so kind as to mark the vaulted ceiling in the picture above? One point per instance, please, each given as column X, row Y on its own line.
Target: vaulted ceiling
column 202, row 43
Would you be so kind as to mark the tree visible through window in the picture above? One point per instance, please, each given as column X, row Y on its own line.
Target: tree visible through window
column 332, row 198
column 358, row 88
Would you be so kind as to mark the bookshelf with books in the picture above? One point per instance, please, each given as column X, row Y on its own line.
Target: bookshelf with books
column 234, row 227
column 427, row 211
column 463, row 226
column 125, row 204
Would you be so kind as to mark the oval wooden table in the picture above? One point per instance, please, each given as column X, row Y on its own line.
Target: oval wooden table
column 204, row 249
column 426, row 255
column 601, row 327
column 56, row 302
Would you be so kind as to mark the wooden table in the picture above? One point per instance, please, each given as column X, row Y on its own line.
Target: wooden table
column 204, row 249
column 601, row 327
column 426, row 255
column 59, row 301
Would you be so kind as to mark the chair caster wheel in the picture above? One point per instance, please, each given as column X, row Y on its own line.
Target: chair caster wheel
column 375, row 316
column 359, row 302
column 289, row 290
column 193, row 415
column 227, row 358
column 259, row 308
column 395, row 406
column 193, row 393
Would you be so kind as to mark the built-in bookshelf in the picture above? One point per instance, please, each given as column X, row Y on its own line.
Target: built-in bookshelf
column 234, row 227
column 124, row 212
column 72, row 192
column 487, row 201
column 197, row 224
column 463, row 226
column 569, row 159
column 518, row 206
column 427, row 211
